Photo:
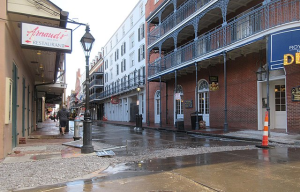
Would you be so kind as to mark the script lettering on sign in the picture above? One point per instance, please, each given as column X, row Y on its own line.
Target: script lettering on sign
column 48, row 38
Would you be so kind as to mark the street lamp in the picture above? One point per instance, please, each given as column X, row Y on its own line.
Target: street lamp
column 87, row 43
column 261, row 74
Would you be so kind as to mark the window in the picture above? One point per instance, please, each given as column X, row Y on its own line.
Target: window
column 116, row 54
column 131, row 59
column 141, row 53
column 106, row 64
column 117, row 39
column 131, row 21
column 203, row 97
column 141, row 10
column 123, row 30
column 123, row 48
column 111, row 59
column 131, row 40
column 141, row 32
column 106, row 77
column 111, row 74
column 117, row 69
column 123, row 65
column 280, row 98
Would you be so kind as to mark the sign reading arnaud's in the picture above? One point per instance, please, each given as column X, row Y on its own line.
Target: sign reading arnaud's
column 281, row 43
column 46, row 38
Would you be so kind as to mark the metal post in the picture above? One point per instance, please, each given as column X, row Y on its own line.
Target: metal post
column 175, row 93
column 197, row 120
column 148, row 116
column 225, row 94
column 87, row 131
column 160, row 122
column 268, row 87
column 166, row 103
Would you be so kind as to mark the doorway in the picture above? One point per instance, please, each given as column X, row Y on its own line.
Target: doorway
column 14, row 105
column 277, row 103
column 178, row 103
column 203, row 100
column 157, row 107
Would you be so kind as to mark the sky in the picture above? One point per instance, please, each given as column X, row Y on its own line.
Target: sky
column 104, row 18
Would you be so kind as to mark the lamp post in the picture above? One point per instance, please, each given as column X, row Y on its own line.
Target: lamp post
column 87, row 43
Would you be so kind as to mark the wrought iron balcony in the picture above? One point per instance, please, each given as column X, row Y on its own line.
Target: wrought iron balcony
column 96, row 83
column 183, row 12
column 253, row 21
column 130, row 84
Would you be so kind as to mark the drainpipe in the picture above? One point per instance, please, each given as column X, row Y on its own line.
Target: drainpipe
column 225, row 94
column 160, row 122
column 175, row 93
column 197, row 120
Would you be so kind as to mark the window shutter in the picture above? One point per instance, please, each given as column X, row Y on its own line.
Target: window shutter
column 143, row 51
column 143, row 30
column 124, row 64
column 139, row 32
column 139, row 54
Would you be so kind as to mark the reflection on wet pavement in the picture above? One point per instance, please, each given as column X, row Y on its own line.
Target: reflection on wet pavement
column 243, row 170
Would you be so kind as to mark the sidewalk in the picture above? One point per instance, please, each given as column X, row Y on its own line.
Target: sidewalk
column 44, row 143
column 47, row 143
column 276, row 136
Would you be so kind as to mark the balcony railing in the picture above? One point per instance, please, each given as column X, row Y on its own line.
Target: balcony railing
column 130, row 84
column 96, row 82
column 183, row 12
column 247, row 24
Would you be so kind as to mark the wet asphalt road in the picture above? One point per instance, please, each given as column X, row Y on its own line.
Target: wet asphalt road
column 275, row 169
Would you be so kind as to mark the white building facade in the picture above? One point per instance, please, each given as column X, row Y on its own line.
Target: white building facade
column 124, row 69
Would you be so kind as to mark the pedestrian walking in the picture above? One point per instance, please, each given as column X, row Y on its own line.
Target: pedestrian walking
column 63, row 116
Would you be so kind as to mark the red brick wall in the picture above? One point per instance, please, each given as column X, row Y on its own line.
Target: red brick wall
column 293, row 107
column 150, row 7
column 242, row 93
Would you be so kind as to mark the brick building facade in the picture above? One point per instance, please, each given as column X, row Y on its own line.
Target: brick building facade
column 190, row 44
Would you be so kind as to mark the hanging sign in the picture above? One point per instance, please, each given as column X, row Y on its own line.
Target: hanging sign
column 114, row 100
column 213, row 83
column 296, row 93
column 46, row 38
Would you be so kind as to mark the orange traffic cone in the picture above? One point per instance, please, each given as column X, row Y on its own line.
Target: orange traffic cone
column 265, row 140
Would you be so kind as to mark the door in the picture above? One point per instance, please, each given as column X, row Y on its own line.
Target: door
column 28, row 110
column 280, row 106
column 125, row 109
column 203, row 100
column 178, row 103
column 14, row 106
column 23, row 108
column 157, row 107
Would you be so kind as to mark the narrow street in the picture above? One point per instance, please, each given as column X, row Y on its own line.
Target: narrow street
column 168, row 161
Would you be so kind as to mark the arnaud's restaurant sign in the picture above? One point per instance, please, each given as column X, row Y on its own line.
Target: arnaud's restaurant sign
column 46, row 38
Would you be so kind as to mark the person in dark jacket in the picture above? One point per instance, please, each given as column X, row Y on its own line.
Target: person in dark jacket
column 63, row 116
